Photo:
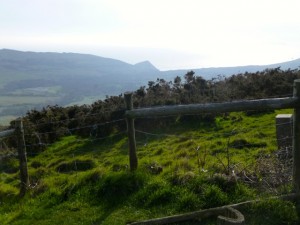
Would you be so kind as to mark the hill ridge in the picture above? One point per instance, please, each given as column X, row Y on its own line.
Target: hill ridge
column 37, row 79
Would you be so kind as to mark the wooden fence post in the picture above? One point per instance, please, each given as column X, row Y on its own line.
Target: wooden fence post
column 22, row 158
column 296, row 138
column 133, row 162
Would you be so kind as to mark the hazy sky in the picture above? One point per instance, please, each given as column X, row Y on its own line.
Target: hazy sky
column 171, row 34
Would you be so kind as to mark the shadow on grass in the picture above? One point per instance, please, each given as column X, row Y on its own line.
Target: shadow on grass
column 79, row 146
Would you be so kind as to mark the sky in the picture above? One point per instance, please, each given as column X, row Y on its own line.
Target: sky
column 171, row 34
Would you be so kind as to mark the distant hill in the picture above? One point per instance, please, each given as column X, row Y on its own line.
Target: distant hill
column 34, row 79
column 211, row 72
column 89, row 74
column 69, row 76
column 146, row 66
column 63, row 68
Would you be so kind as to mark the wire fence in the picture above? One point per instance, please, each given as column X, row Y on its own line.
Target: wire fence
column 247, row 154
column 272, row 169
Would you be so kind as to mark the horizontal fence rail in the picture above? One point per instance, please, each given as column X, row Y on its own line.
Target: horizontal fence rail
column 234, row 106
column 192, row 109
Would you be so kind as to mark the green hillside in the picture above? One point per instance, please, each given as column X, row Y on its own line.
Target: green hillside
column 78, row 157
column 183, row 167
column 33, row 80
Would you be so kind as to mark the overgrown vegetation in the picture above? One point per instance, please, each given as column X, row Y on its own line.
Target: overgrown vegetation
column 79, row 172
column 55, row 121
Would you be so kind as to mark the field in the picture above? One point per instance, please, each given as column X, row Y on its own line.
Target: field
column 25, row 100
column 187, row 166
column 5, row 120
column 87, row 100
column 11, row 76
column 15, row 106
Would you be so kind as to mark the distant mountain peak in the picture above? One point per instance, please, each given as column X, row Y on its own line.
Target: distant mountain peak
column 146, row 65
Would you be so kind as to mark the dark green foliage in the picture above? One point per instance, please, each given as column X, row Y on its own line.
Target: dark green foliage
column 242, row 143
column 9, row 164
column 53, row 122
column 104, row 192
column 275, row 212
column 268, row 83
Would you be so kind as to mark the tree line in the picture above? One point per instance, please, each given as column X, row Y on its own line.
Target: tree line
column 53, row 122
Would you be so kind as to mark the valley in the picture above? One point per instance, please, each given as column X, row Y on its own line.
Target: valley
column 33, row 80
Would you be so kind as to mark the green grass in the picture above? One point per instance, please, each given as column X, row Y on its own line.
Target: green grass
column 9, row 76
column 78, row 181
column 13, row 106
column 87, row 100
column 38, row 91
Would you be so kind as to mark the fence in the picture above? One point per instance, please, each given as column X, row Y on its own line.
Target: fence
column 262, row 104
column 131, row 114
column 24, row 149
column 24, row 179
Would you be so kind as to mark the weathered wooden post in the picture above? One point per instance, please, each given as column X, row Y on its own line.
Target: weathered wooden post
column 296, row 138
column 133, row 162
column 284, row 131
column 22, row 158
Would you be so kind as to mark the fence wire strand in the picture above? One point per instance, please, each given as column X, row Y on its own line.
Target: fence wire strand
column 145, row 136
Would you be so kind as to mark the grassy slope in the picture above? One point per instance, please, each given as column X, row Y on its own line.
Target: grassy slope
column 77, row 181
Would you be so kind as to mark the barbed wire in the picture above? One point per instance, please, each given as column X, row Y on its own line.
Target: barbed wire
column 82, row 117
column 75, row 141
column 226, row 133
column 74, row 164
column 198, row 137
column 238, row 132
column 94, row 126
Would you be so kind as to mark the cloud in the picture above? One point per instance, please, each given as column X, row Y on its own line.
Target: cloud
column 228, row 32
